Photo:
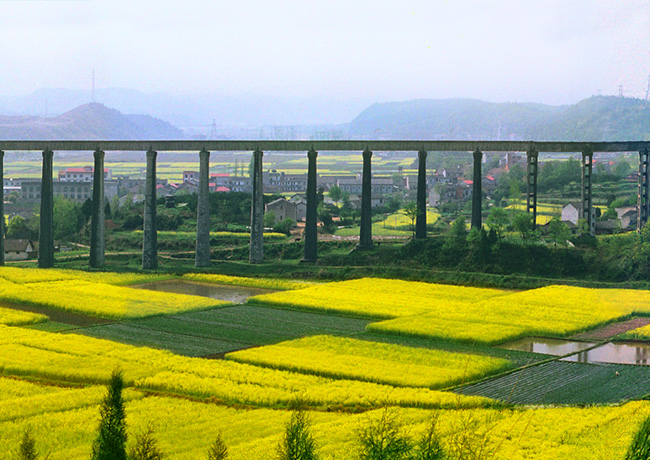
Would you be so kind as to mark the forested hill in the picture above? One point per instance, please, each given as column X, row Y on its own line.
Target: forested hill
column 90, row 121
column 599, row 118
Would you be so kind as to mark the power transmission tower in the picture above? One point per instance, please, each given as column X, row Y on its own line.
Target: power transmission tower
column 92, row 92
column 620, row 90
column 213, row 130
column 647, row 91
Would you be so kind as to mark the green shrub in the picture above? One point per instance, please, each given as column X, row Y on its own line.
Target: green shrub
column 429, row 446
column 218, row 449
column 383, row 440
column 111, row 439
column 145, row 447
column 27, row 448
column 297, row 443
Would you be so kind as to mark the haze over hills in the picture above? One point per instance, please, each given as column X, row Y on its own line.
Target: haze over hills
column 91, row 121
column 598, row 118
column 193, row 110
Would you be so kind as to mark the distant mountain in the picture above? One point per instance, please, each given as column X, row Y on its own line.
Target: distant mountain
column 89, row 121
column 599, row 118
column 193, row 110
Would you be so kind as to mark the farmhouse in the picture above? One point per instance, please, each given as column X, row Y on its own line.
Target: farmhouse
column 20, row 249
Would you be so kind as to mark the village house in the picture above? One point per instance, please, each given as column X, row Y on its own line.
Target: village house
column 285, row 209
column 20, row 249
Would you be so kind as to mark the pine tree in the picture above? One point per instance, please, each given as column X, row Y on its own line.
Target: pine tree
column 111, row 439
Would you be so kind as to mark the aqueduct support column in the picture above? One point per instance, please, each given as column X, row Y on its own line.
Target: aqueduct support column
column 46, row 235
column 421, row 219
column 150, row 241
column 202, row 256
column 2, row 210
column 643, row 195
column 531, row 181
column 311, row 230
column 257, row 211
column 365, row 232
column 587, row 168
column 97, row 225
column 476, row 190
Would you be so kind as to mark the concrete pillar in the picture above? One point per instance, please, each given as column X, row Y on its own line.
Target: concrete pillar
column 643, row 191
column 476, row 190
column 150, row 238
column 311, row 229
column 2, row 210
column 46, row 235
column 587, row 168
column 531, row 191
column 365, row 232
column 3, row 229
column 421, row 219
column 97, row 225
column 257, row 211
column 202, row 257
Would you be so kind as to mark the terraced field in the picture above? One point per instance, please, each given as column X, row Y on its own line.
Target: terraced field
column 224, row 329
column 563, row 382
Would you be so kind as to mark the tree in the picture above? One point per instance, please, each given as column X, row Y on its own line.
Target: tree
column 412, row 212
column 111, row 438
column 145, row 447
column 523, row 223
column 498, row 220
column 27, row 449
column 218, row 449
column 335, row 193
column 17, row 228
column 269, row 219
column 297, row 442
column 67, row 219
column 383, row 440
column 558, row 232
column 429, row 446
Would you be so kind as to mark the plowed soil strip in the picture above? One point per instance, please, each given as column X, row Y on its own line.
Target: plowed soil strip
column 610, row 330
column 562, row 382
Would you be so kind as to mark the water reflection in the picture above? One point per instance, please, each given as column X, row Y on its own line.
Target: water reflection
column 620, row 353
column 555, row 347
column 236, row 294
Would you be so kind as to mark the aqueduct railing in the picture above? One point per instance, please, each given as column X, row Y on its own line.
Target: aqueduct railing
column 149, row 254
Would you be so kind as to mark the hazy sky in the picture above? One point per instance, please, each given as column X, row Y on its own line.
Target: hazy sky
column 546, row 51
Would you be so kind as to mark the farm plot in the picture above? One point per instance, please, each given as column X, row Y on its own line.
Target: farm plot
column 348, row 358
column 71, row 357
column 99, row 299
column 185, row 429
column 471, row 315
column 12, row 317
column 37, row 275
column 224, row 329
column 377, row 298
column 564, row 382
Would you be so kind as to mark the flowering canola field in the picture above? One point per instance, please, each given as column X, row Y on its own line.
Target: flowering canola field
column 346, row 358
column 467, row 314
column 377, row 298
column 185, row 429
column 75, row 358
column 11, row 317
column 98, row 294
column 266, row 283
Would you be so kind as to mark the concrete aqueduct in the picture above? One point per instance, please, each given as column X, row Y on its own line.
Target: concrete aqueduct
column 150, row 256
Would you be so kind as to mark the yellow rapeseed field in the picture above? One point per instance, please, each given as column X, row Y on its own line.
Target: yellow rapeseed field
column 37, row 275
column 467, row 314
column 74, row 358
column 377, row 298
column 100, row 299
column 266, row 283
column 340, row 357
column 185, row 429
column 12, row 317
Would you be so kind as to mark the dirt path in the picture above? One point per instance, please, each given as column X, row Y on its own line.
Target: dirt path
column 610, row 330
